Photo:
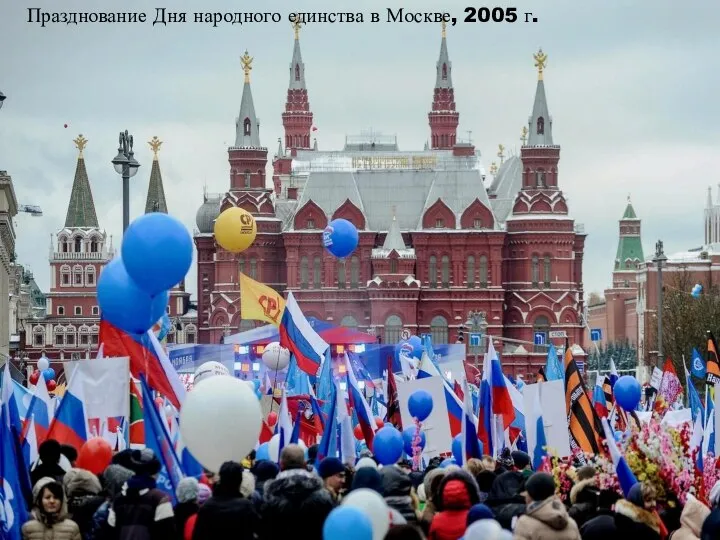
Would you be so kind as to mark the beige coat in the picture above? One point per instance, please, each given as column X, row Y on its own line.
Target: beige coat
column 546, row 520
column 691, row 520
column 35, row 529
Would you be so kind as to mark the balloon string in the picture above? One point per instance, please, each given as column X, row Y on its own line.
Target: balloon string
column 272, row 401
column 417, row 451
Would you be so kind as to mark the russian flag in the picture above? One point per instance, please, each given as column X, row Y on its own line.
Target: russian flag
column 147, row 357
column 297, row 336
column 284, row 424
column 599, row 401
column 69, row 426
column 613, row 373
column 40, row 410
column 540, row 438
column 360, row 405
column 626, row 478
column 517, row 426
column 495, row 400
column 454, row 405
column 471, row 444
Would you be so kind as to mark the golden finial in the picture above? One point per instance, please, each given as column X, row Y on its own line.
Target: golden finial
column 444, row 25
column 296, row 26
column 155, row 146
column 540, row 63
column 246, row 61
column 524, row 134
column 80, row 143
column 493, row 168
column 501, row 153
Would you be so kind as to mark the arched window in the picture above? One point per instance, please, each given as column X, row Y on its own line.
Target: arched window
column 439, row 330
column 65, row 275
column 540, row 125
column 432, row 272
column 393, row 266
column 38, row 336
column 393, row 329
column 444, row 72
column 253, row 268
column 445, row 271
column 297, row 72
column 546, row 271
column 470, row 271
column 93, row 245
column 348, row 321
column 535, row 271
column 541, row 326
column 354, row 273
column 77, row 275
column 247, row 178
column 341, row 276
column 304, row 271
column 483, row 271
column 540, row 178
column 90, row 276
column 241, row 264
column 246, row 127
column 317, row 273
column 78, row 244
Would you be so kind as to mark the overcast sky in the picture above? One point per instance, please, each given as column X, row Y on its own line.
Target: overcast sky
column 632, row 87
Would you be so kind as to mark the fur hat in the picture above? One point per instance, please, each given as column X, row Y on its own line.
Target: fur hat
column 144, row 463
column 114, row 477
column 81, row 482
column 540, row 486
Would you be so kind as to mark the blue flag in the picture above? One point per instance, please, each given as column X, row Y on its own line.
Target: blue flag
column 13, row 509
column 553, row 367
column 697, row 365
column 158, row 440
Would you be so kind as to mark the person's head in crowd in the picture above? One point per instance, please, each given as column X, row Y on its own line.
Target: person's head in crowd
column 265, row 470
column 49, row 500
column 123, row 458
column 521, row 461
column 204, row 493
column 643, row 495
column 229, row 481
column 505, row 460
column 333, row 473
column 365, row 462
column 489, row 463
column 406, row 465
column 539, row 486
column 145, row 463
column 292, row 457
column 474, row 466
column 367, row 477
column 113, row 478
column 478, row 512
column 49, row 452
column 187, row 490
column 312, row 453
column 70, row 453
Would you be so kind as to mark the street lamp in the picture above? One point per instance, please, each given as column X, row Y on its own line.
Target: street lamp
column 477, row 322
column 659, row 260
column 2, row 99
column 127, row 166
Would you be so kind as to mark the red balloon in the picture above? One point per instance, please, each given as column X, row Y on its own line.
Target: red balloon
column 34, row 376
column 272, row 419
column 51, row 385
column 95, row 455
column 379, row 422
column 358, row 433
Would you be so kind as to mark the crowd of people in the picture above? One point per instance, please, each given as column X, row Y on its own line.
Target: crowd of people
column 486, row 499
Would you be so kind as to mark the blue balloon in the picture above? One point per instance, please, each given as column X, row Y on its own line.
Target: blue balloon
column 124, row 304
column 340, row 238
column 420, row 404
column 627, row 392
column 263, row 452
column 412, row 348
column 347, row 523
column 48, row 374
column 457, row 448
column 388, row 445
column 157, row 250
column 408, row 436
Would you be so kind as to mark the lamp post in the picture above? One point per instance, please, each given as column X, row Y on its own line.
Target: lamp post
column 2, row 99
column 659, row 260
column 127, row 166
column 477, row 322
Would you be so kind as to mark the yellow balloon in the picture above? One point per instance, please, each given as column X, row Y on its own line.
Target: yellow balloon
column 235, row 230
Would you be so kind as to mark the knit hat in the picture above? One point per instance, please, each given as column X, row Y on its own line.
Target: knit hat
column 478, row 512
column 330, row 466
column 266, row 470
column 367, row 477
column 585, row 473
column 540, row 486
column 187, row 490
column 506, row 459
column 204, row 493
column 113, row 479
column 521, row 459
column 144, row 463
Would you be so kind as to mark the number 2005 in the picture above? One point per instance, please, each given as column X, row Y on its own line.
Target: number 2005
column 485, row 14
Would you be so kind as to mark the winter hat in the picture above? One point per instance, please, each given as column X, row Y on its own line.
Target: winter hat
column 485, row 481
column 506, row 459
column 187, row 490
column 428, row 481
column 478, row 512
column 247, row 486
column 204, row 493
column 144, row 463
column 49, row 452
column 266, row 470
column 81, row 482
column 396, row 482
column 367, row 477
column 366, row 462
column 122, row 458
column 231, row 477
column 521, row 459
column 330, row 466
column 540, row 486
column 40, row 484
column 114, row 477
column 585, row 473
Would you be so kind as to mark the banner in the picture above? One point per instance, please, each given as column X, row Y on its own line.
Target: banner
column 583, row 422
column 259, row 302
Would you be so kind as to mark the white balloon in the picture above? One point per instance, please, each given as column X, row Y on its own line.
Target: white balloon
column 275, row 357
column 220, row 421
column 209, row 369
column 374, row 507
column 274, row 448
column 43, row 363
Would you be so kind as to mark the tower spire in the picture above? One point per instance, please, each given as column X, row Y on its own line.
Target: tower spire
column 297, row 118
column 81, row 208
column 443, row 117
column 155, row 201
column 630, row 251
column 540, row 123
column 247, row 127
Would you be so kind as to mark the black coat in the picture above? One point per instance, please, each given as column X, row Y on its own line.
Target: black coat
column 295, row 501
column 505, row 499
column 226, row 517
column 627, row 521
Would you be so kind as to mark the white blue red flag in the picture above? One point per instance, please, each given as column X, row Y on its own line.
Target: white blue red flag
column 299, row 337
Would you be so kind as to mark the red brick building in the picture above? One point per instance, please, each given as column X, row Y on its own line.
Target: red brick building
column 438, row 238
